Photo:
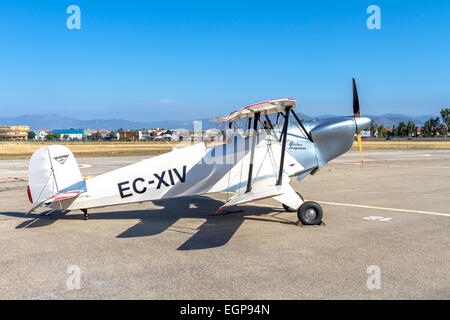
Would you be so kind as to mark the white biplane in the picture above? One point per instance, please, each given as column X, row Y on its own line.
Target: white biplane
column 255, row 166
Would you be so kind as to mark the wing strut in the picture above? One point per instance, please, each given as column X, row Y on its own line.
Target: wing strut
column 283, row 144
column 302, row 126
column 252, row 155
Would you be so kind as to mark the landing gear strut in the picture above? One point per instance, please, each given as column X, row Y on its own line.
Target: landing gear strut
column 86, row 215
column 290, row 209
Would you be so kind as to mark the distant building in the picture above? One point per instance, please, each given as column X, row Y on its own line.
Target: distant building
column 365, row 133
column 146, row 134
column 104, row 134
column 100, row 135
column 164, row 135
column 41, row 134
column 181, row 135
column 159, row 131
column 418, row 131
column 72, row 134
column 154, row 134
column 213, row 135
column 127, row 135
column 14, row 132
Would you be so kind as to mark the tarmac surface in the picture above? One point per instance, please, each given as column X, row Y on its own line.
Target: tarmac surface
column 389, row 218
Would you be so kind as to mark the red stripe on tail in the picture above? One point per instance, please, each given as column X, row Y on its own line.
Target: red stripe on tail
column 29, row 194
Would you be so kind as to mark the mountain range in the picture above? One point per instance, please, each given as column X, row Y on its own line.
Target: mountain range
column 55, row 121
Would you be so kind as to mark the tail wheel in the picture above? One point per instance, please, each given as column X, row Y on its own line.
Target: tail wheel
column 310, row 213
column 289, row 209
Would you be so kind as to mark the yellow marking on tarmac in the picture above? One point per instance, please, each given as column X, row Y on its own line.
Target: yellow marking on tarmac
column 84, row 166
column 383, row 208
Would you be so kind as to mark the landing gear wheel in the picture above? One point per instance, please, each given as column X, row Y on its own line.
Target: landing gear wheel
column 289, row 209
column 86, row 215
column 310, row 213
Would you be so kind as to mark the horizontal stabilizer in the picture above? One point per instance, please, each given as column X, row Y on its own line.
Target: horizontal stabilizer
column 56, row 198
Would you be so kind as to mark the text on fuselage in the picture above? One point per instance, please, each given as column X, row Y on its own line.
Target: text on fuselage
column 139, row 185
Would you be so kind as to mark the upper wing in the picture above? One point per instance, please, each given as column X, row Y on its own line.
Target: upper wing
column 266, row 107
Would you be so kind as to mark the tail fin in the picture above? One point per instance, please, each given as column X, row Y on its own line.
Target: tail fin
column 52, row 170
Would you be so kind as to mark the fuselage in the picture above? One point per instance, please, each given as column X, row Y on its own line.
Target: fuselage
column 196, row 169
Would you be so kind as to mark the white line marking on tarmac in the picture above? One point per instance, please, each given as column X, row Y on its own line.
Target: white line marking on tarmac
column 431, row 167
column 81, row 166
column 391, row 164
column 377, row 218
column 363, row 206
column 383, row 208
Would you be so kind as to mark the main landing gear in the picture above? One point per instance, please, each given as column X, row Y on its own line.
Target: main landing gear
column 86, row 215
column 290, row 209
column 309, row 213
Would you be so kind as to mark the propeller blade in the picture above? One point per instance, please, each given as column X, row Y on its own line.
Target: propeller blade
column 356, row 111
column 357, row 114
column 358, row 136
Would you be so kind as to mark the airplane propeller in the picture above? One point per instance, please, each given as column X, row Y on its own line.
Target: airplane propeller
column 357, row 114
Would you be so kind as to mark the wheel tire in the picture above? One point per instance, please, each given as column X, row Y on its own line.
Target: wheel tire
column 289, row 209
column 310, row 213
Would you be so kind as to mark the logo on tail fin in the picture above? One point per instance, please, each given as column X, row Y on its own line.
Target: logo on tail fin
column 61, row 159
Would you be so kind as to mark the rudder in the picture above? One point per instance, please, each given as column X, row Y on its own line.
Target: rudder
column 52, row 170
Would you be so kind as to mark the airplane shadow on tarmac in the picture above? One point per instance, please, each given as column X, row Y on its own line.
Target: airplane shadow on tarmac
column 216, row 231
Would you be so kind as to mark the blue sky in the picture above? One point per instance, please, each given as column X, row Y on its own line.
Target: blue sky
column 157, row 60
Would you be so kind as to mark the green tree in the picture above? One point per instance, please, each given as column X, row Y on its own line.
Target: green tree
column 402, row 129
column 445, row 115
column 31, row 135
column 66, row 137
column 57, row 136
column 443, row 130
column 373, row 129
column 427, row 129
column 382, row 131
column 411, row 128
column 435, row 124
